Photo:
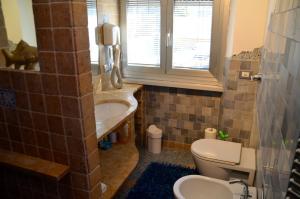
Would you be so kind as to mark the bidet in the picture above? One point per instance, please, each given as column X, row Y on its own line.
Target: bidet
column 201, row 187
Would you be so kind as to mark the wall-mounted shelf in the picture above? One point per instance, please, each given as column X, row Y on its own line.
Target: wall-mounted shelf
column 33, row 165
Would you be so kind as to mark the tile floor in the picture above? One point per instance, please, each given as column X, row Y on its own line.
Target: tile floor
column 168, row 155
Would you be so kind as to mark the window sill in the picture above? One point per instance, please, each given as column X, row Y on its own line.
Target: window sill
column 214, row 86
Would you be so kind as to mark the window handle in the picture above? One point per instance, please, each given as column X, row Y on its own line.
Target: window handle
column 169, row 39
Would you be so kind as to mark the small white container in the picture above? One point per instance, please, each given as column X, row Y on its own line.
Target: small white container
column 154, row 139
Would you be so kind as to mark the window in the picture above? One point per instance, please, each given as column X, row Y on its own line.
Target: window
column 173, row 40
column 192, row 23
column 92, row 24
column 143, row 33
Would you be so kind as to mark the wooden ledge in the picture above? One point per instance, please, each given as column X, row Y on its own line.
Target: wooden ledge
column 34, row 165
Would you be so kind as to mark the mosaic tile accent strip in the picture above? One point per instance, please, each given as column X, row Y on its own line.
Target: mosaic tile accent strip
column 7, row 98
column 278, row 101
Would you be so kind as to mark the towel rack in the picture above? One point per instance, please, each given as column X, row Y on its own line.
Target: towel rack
column 293, row 191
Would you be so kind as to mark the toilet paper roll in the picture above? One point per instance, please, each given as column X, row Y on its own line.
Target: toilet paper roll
column 210, row 133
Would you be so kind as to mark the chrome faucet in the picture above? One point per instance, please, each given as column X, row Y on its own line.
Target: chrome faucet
column 245, row 194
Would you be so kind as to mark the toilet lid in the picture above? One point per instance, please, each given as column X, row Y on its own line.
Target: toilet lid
column 220, row 151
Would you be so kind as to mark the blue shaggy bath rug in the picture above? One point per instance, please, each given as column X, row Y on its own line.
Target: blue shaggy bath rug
column 157, row 181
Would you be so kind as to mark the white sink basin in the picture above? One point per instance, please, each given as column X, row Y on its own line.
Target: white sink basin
column 201, row 187
column 107, row 110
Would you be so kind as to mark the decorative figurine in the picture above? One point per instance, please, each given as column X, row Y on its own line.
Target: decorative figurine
column 24, row 54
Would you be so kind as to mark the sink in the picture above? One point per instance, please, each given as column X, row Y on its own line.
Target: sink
column 109, row 114
column 108, row 110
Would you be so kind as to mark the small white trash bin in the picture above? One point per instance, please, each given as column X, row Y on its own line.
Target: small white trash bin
column 154, row 139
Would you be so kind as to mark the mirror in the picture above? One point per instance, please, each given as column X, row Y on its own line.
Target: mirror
column 17, row 35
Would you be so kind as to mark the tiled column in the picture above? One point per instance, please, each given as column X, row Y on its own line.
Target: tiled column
column 54, row 116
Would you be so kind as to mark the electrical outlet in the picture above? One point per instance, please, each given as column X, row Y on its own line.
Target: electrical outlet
column 245, row 75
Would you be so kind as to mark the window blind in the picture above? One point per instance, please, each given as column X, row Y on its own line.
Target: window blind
column 192, row 23
column 92, row 24
column 143, row 32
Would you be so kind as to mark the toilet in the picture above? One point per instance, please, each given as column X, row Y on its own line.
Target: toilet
column 212, row 157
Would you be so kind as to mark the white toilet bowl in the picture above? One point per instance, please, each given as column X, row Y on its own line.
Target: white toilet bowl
column 211, row 157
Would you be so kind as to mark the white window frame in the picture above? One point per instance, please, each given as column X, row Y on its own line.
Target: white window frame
column 165, row 75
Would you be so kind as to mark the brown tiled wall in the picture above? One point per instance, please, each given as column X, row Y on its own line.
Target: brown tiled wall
column 238, row 100
column 54, row 117
column 184, row 114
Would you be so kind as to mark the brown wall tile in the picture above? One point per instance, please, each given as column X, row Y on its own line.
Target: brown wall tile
column 83, row 61
column 68, row 85
column 79, row 14
column 14, row 133
column 85, row 84
column 65, row 63
column 58, row 143
column 70, row 107
column 91, row 143
column 47, row 62
column 2, row 119
column 53, row 104
column 56, row 124
column 11, row 116
column 61, row 14
column 18, row 81
column 42, row 15
column 34, row 83
column 78, row 163
column 37, row 102
column 45, row 39
column 89, row 125
column 45, row 154
column 87, row 105
column 79, row 181
column 93, row 160
column 4, row 79
column 73, row 127
column 81, row 38
column 22, row 100
column 5, row 144
column 75, row 146
column 25, row 119
column 3, row 131
column 28, row 136
column 40, row 121
column 50, row 84
column 95, row 176
column 63, row 39
column 61, row 158
column 31, row 150
column 43, row 139
column 17, row 147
